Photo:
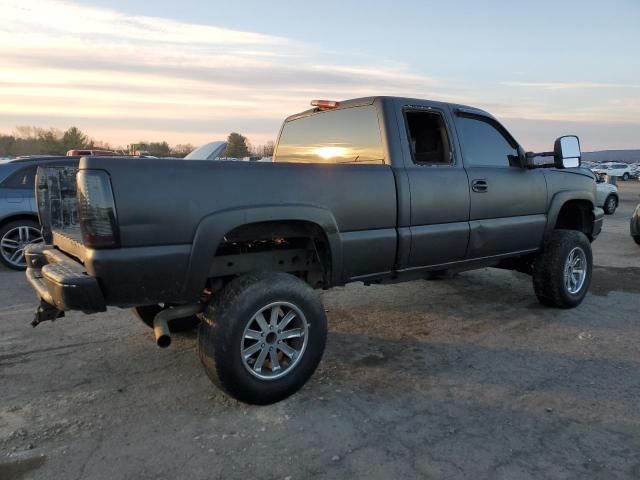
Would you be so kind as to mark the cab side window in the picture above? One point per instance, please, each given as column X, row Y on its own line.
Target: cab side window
column 484, row 144
column 428, row 138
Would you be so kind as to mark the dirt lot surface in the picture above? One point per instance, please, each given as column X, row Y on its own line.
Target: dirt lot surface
column 464, row 378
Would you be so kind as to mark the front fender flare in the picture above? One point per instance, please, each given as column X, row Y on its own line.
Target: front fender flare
column 556, row 204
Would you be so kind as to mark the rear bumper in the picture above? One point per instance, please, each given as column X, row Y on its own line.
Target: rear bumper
column 598, row 220
column 61, row 281
column 90, row 280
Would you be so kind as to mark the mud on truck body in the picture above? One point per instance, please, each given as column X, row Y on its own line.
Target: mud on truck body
column 376, row 190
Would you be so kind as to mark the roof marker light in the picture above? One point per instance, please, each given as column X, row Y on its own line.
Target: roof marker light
column 324, row 104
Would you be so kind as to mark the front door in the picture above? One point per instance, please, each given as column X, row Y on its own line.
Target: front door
column 507, row 202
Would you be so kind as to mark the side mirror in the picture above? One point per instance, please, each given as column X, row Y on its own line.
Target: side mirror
column 566, row 152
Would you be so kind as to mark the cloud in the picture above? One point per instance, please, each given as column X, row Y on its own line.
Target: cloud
column 68, row 20
column 571, row 85
column 140, row 69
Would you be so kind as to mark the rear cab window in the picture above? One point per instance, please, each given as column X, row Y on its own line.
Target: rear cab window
column 344, row 136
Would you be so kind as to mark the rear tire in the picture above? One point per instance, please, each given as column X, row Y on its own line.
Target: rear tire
column 610, row 205
column 562, row 272
column 147, row 313
column 254, row 354
column 636, row 239
column 625, row 177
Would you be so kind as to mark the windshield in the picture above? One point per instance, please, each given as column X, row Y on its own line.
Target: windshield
column 208, row 151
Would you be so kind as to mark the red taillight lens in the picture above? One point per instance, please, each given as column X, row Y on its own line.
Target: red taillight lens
column 97, row 210
column 324, row 104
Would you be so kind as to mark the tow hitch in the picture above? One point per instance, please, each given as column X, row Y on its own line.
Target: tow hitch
column 46, row 312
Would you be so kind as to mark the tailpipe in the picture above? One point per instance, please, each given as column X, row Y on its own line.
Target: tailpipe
column 162, row 319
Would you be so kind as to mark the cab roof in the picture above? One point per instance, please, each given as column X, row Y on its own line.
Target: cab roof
column 362, row 101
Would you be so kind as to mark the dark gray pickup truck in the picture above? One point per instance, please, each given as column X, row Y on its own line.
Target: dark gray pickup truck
column 374, row 190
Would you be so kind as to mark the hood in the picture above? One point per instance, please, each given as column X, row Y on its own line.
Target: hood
column 606, row 187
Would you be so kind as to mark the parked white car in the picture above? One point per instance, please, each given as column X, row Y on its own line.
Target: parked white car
column 613, row 169
column 607, row 196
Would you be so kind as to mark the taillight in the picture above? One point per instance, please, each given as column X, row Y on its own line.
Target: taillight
column 97, row 210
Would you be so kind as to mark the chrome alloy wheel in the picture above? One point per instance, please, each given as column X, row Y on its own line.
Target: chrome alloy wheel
column 14, row 241
column 274, row 340
column 575, row 270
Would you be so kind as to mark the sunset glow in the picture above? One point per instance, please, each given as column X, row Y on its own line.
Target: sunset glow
column 330, row 152
column 123, row 77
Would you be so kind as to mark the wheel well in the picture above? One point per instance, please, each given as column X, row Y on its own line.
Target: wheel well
column 293, row 246
column 13, row 218
column 576, row 215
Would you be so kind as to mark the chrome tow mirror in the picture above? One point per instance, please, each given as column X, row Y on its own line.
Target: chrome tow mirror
column 566, row 152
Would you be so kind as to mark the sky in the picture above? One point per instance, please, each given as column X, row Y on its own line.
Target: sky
column 192, row 71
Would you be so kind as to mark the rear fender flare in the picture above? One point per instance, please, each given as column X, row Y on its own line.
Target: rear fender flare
column 211, row 231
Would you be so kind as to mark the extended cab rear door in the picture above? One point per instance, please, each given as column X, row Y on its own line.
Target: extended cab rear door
column 507, row 202
column 439, row 199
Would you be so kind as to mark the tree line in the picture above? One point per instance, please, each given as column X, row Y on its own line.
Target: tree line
column 26, row 140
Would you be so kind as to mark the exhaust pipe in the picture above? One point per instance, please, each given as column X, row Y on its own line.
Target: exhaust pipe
column 161, row 321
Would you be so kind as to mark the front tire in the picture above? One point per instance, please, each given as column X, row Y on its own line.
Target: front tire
column 636, row 238
column 610, row 205
column 263, row 337
column 562, row 272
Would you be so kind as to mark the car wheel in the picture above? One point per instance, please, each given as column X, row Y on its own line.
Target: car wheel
column 14, row 237
column 263, row 337
column 636, row 238
column 625, row 177
column 147, row 313
column 562, row 272
column 610, row 205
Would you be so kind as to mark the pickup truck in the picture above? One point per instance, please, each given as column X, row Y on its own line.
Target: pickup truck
column 378, row 189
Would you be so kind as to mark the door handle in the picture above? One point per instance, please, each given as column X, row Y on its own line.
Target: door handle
column 479, row 186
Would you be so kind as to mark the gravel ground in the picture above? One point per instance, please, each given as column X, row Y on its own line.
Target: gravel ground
column 464, row 378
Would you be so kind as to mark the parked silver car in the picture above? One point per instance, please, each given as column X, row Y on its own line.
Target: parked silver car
column 614, row 169
column 607, row 196
column 18, row 215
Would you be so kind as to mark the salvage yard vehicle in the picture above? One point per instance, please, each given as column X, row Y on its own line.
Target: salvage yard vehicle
column 76, row 153
column 376, row 190
column 612, row 169
column 18, row 215
column 606, row 196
